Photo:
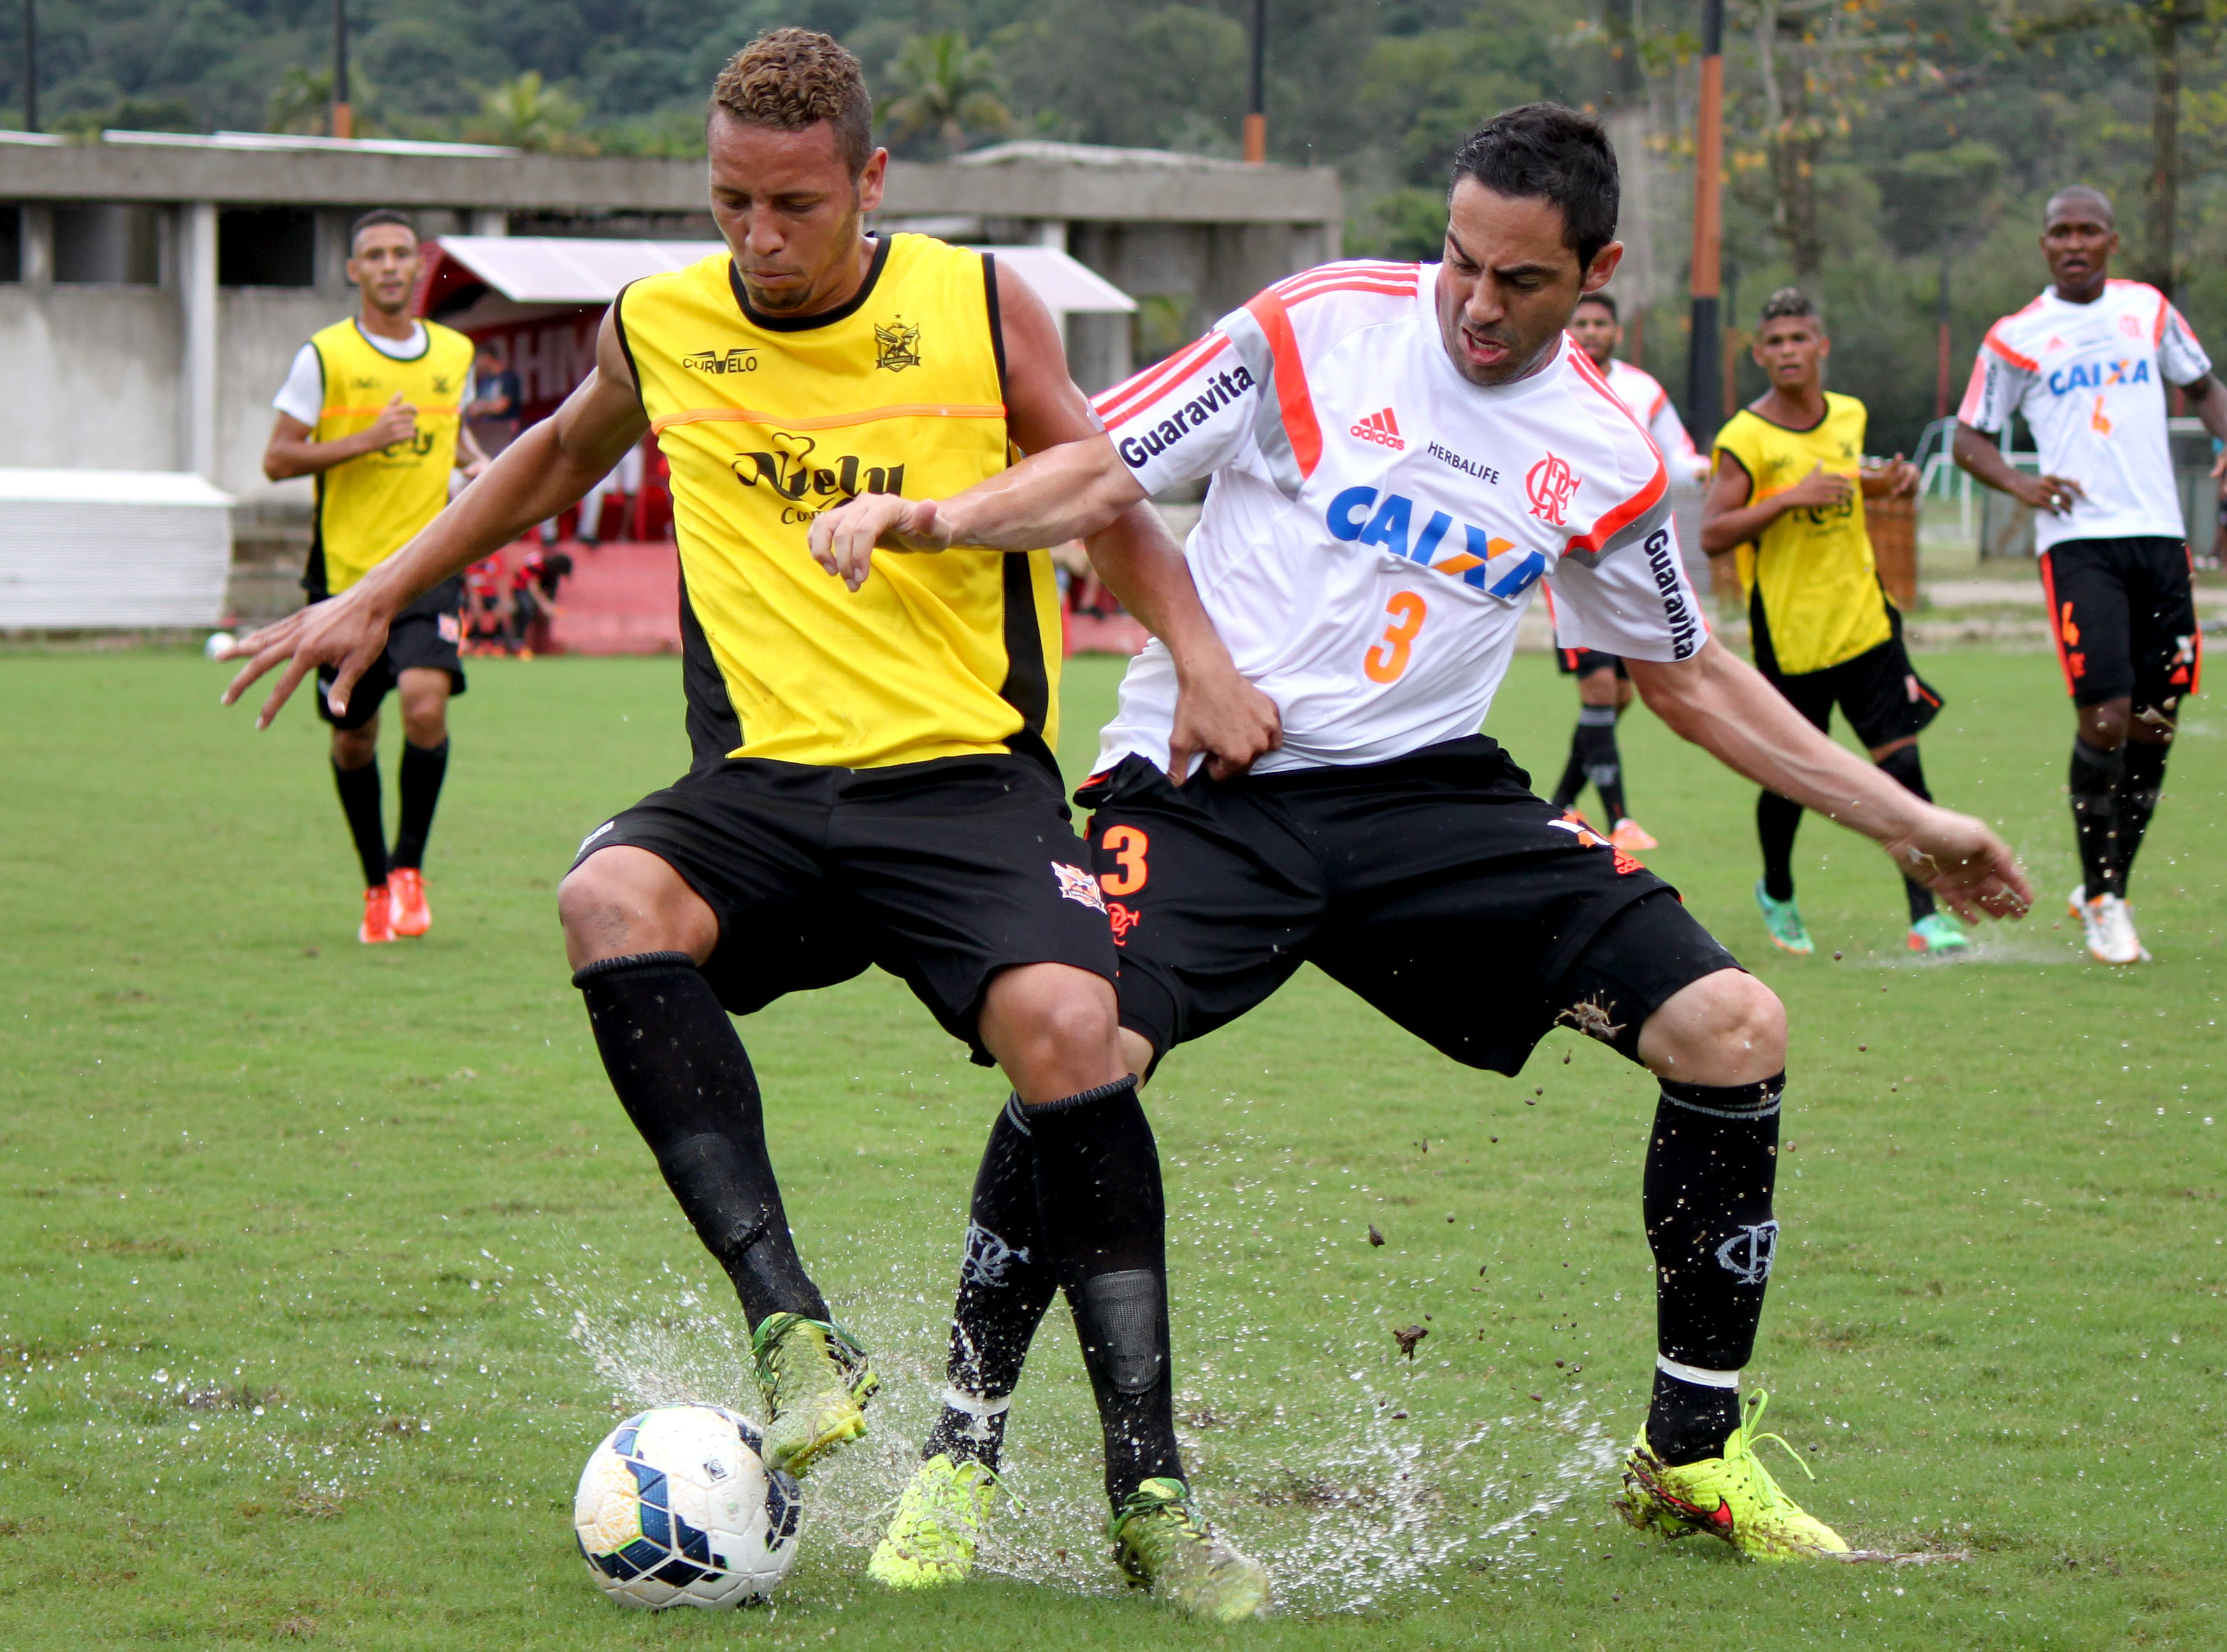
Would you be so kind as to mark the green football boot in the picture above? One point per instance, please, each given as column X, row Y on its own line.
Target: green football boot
column 1732, row 1497
column 815, row 1382
column 1937, row 934
column 1784, row 919
column 1162, row 1544
column 940, row 1521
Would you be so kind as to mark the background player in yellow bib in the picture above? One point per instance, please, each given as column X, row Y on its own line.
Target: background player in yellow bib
column 1787, row 492
column 372, row 408
column 872, row 781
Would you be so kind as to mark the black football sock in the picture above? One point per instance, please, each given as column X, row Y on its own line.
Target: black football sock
column 1908, row 772
column 1712, row 1163
column 1776, row 818
column 423, row 769
column 1574, row 772
column 1005, row 1285
column 2138, row 800
column 358, row 790
column 2096, row 779
column 1104, row 1222
column 682, row 1075
column 1596, row 738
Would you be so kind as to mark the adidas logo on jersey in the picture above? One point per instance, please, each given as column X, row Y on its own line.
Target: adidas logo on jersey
column 1381, row 429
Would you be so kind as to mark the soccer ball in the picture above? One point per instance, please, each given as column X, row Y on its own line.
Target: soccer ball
column 676, row 1508
column 217, row 643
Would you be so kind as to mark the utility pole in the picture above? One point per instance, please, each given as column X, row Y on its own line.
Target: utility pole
column 1704, row 361
column 30, row 65
column 343, row 117
column 1941, row 348
column 1256, row 105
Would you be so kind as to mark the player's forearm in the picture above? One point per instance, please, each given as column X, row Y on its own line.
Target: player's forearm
column 284, row 461
column 1724, row 531
column 1068, row 492
column 1143, row 566
column 2207, row 399
column 536, row 477
column 1983, row 461
column 1724, row 705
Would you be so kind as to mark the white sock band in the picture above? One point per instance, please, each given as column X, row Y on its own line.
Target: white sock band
column 980, row 1410
column 1699, row 1374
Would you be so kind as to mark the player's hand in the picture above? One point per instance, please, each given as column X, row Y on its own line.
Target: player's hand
column 1224, row 718
column 2052, row 494
column 397, row 422
column 1901, row 477
column 346, row 633
column 843, row 539
column 1964, row 862
column 1822, row 489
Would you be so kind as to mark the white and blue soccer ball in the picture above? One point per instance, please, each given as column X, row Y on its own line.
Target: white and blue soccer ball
column 676, row 1508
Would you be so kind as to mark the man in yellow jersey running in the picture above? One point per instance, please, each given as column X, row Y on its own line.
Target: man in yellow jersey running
column 1787, row 494
column 372, row 408
column 873, row 781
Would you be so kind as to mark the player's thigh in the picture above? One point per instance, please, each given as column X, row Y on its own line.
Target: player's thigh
column 1883, row 697
column 2164, row 636
column 2090, row 618
column 1459, row 899
column 1213, row 901
column 621, row 901
column 1810, row 693
column 1647, row 956
column 742, row 836
column 961, row 869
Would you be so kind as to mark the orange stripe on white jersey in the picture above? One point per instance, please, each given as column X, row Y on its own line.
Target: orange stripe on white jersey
column 1996, row 342
column 1390, row 289
column 1359, row 269
column 1293, row 400
column 1608, row 525
column 1125, row 400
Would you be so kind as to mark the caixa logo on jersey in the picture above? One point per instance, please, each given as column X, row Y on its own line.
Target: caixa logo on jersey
column 814, row 482
column 2098, row 375
column 1497, row 567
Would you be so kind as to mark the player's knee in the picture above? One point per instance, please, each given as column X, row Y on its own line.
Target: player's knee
column 2105, row 726
column 353, row 747
column 1727, row 1027
column 1055, row 1029
column 623, row 900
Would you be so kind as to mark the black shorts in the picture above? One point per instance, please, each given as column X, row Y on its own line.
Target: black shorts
column 2123, row 614
column 1583, row 662
column 1436, row 886
column 424, row 634
column 1879, row 692
column 942, row 872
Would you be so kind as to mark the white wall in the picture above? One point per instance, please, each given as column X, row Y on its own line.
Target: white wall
column 91, row 377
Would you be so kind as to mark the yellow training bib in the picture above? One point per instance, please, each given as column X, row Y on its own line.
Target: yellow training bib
column 767, row 422
column 369, row 506
column 1820, row 602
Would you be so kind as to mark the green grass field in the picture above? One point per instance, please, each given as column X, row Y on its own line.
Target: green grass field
column 328, row 1265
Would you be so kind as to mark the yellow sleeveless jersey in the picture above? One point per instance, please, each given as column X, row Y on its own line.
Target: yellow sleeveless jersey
column 370, row 506
column 767, row 422
column 1810, row 583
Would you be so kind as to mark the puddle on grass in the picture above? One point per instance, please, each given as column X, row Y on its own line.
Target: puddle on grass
column 1355, row 1489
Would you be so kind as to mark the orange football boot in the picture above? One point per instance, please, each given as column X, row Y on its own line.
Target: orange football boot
column 377, row 916
column 411, row 915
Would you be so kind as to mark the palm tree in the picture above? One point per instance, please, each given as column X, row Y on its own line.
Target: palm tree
column 946, row 86
column 528, row 115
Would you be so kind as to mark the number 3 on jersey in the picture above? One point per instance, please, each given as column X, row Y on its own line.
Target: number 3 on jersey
column 1385, row 661
column 1126, row 843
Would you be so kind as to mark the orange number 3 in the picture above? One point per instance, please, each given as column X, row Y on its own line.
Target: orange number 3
column 1127, row 845
column 1386, row 660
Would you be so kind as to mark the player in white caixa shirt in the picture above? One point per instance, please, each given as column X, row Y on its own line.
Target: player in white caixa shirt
column 2087, row 365
column 1401, row 456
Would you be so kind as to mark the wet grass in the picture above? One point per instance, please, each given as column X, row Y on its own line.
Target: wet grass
column 328, row 1265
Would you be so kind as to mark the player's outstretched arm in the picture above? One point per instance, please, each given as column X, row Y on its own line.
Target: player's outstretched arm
column 548, row 468
column 2207, row 399
column 1723, row 705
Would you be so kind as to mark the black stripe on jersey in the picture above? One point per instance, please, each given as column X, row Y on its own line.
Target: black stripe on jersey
column 824, row 318
column 997, row 325
column 626, row 347
column 713, row 729
column 1027, row 688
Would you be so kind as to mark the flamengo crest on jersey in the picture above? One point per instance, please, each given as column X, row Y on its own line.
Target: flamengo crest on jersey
column 1377, row 523
column 2090, row 380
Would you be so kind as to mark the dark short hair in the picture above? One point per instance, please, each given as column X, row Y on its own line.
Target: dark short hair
column 1543, row 151
column 372, row 220
column 793, row 79
column 2081, row 192
column 1790, row 303
column 1604, row 301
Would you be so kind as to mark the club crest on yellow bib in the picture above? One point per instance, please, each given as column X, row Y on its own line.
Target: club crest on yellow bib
column 896, row 346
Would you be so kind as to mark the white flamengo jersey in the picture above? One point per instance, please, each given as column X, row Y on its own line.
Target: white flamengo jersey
column 1643, row 393
column 2090, row 379
column 1377, row 524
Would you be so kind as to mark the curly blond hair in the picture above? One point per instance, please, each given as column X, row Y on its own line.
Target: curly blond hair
column 795, row 78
